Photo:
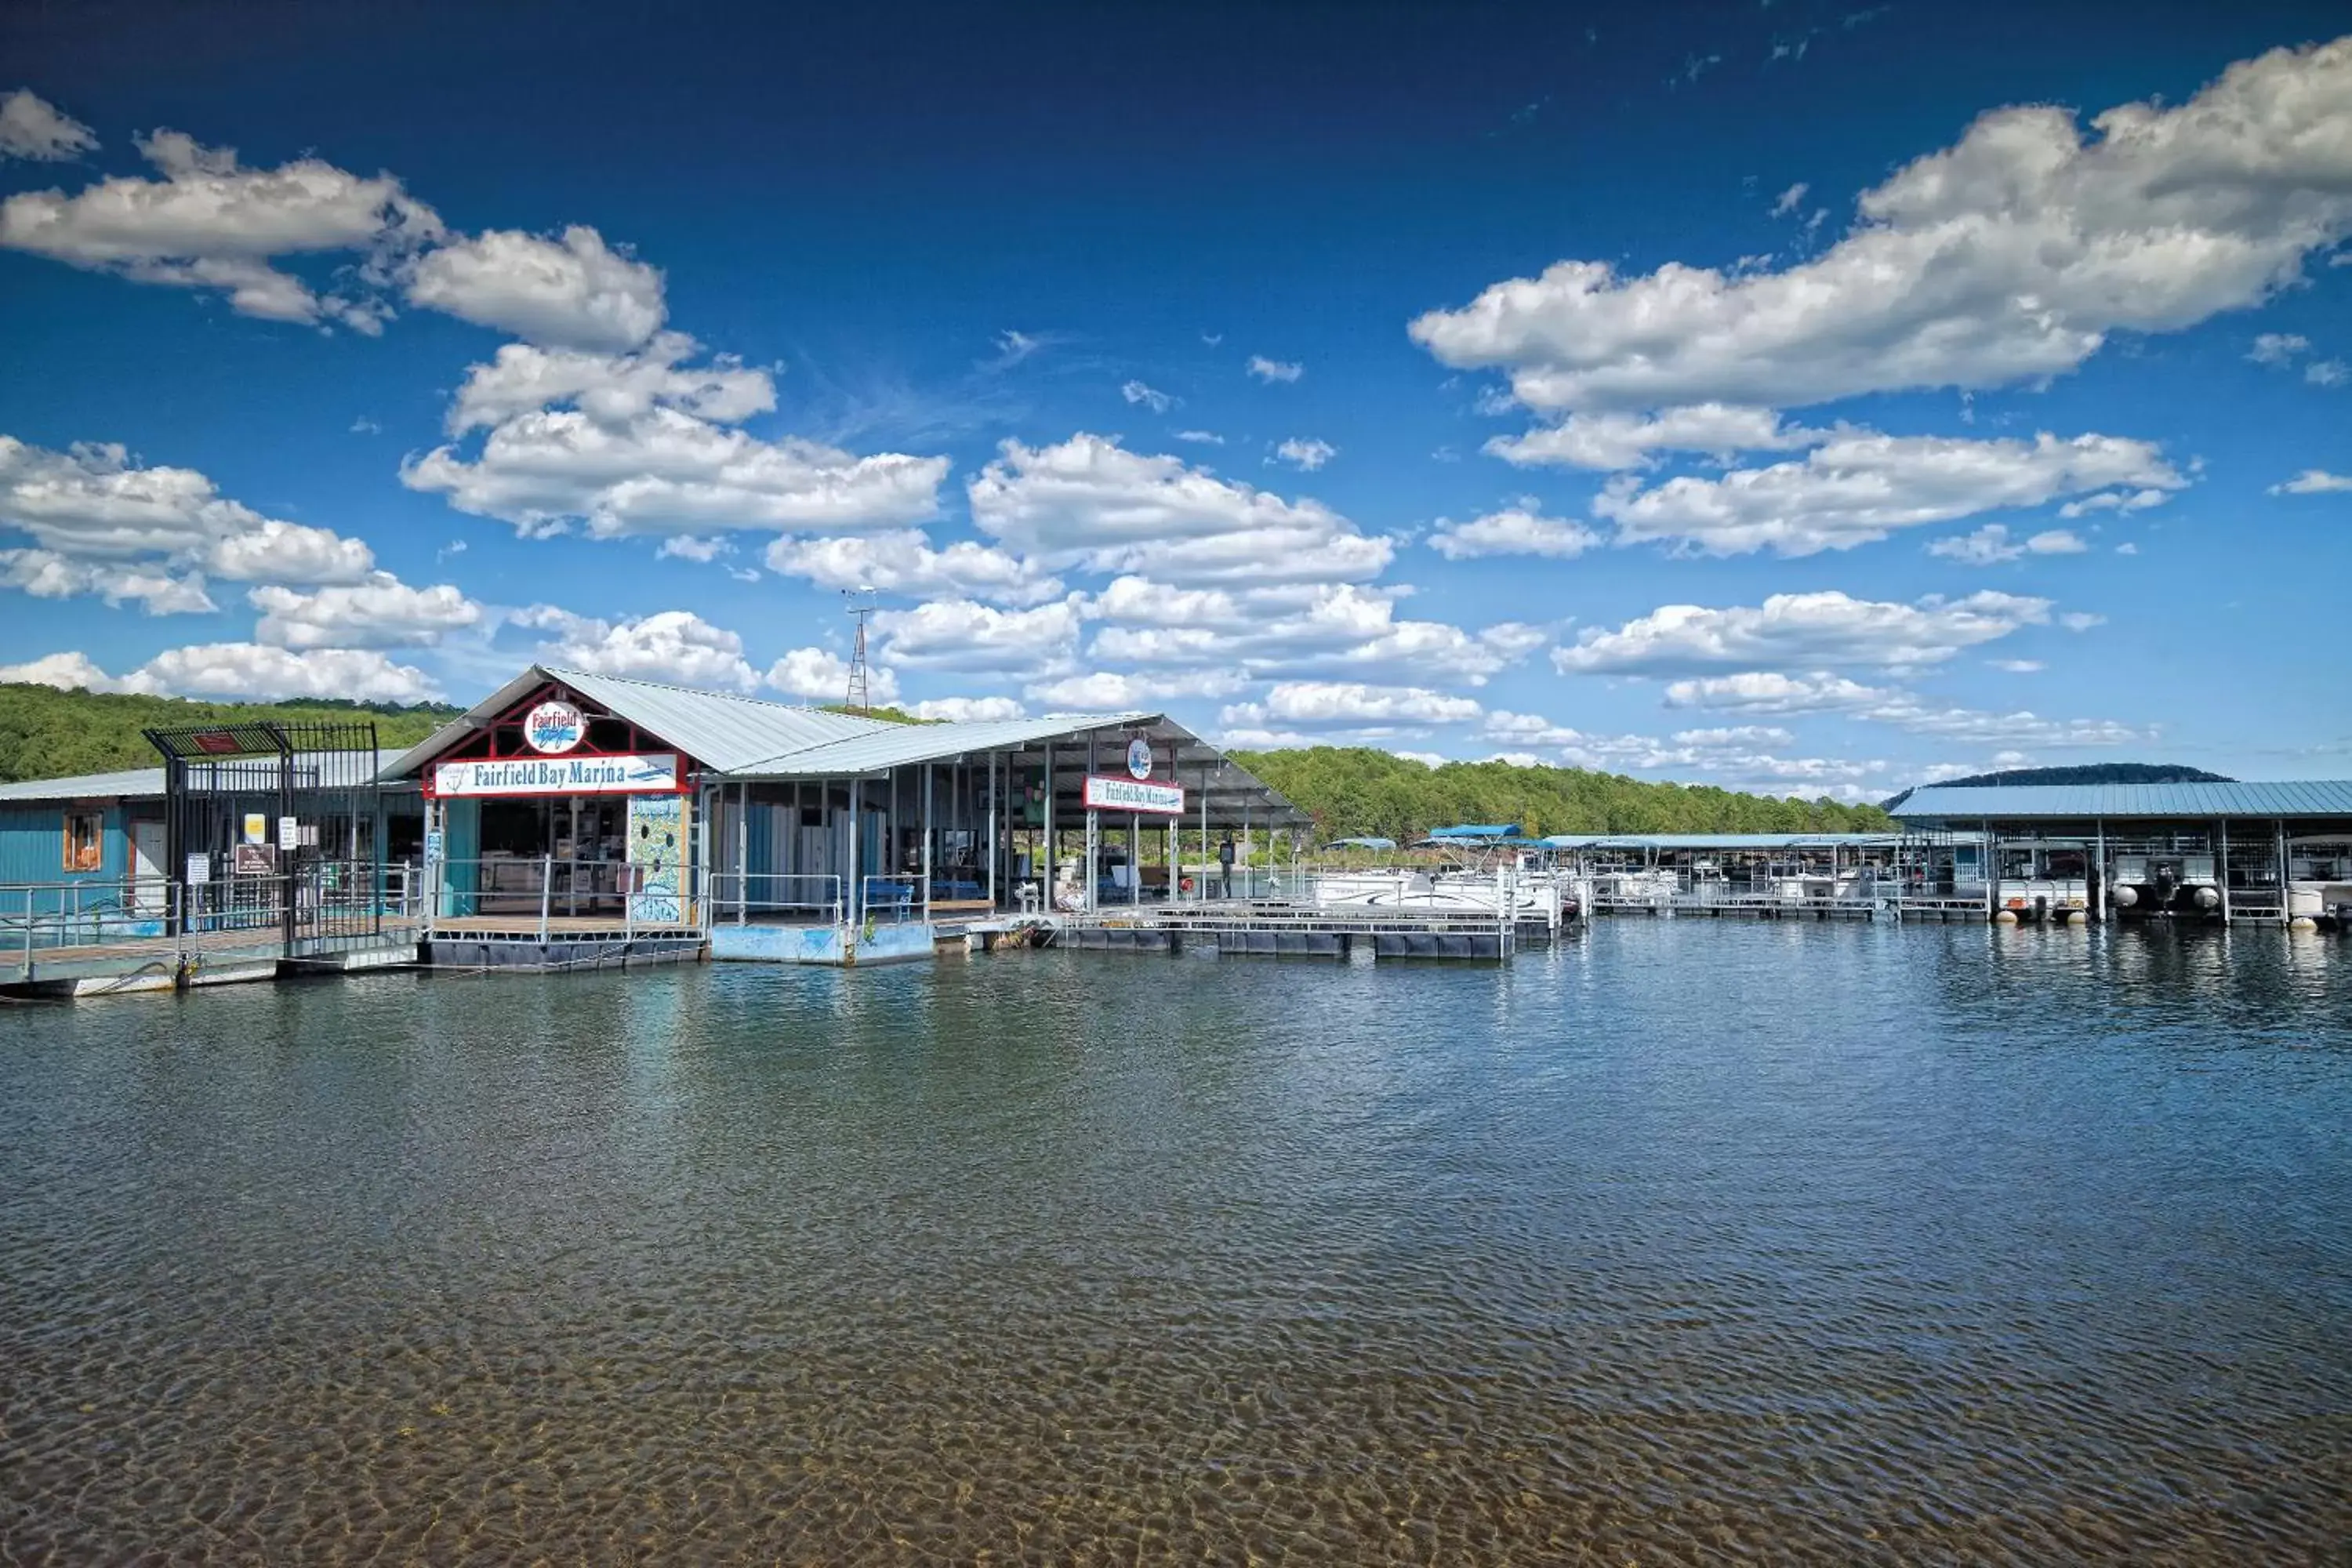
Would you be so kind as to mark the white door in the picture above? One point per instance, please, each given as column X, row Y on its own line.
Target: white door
column 147, row 849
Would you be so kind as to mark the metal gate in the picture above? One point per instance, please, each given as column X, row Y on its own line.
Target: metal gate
column 273, row 832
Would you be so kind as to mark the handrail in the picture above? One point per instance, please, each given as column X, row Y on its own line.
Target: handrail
column 783, row 890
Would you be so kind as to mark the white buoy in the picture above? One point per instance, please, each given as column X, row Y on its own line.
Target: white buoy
column 2078, row 918
column 2303, row 923
column 2127, row 896
column 2207, row 899
column 2005, row 918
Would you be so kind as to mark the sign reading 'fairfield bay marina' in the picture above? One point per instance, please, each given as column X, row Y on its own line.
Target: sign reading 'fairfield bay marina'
column 1134, row 794
column 655, row 773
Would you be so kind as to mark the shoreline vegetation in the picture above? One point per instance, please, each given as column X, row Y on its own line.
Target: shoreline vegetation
column 1349, row 791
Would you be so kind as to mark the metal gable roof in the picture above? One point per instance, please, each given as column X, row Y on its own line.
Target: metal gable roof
column 1979, row 803
column 901, row 745
column 719, row 730
column 1719, row 840
column 128, row 784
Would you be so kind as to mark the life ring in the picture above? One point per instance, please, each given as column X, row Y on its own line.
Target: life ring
column 1184, row 884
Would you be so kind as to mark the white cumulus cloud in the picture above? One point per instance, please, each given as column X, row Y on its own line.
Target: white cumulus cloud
column 32, row 126
column 572, row 291
column 1274, row 370
column 1515, row 531
column 1614, row 441
column 2313, row 482
column 674, row 646
column 1088, row 501
column 903, row 562
column 1860, row 486
column 1306, row 453
column 2008, row 256
column 242, row 670
column 821, row 675
column 210, row 224
column 969, row 709
column 382, row 612
column 1992, row 545
column 1802, row 631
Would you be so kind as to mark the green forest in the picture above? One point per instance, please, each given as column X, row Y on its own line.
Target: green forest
column 1349, row 791
column 48, row 734
column 1357, row 791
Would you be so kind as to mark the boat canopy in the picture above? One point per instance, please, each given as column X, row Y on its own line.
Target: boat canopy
column 1362, row 844
column 1474, row 832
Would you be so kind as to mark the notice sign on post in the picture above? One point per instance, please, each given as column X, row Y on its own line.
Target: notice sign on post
column 289, row 833
column 1134, row 794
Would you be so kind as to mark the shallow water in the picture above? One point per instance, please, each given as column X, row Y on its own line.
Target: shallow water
column 1682, row 1242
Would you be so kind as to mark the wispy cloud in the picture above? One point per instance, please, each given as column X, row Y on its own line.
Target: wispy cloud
column 1273, row 369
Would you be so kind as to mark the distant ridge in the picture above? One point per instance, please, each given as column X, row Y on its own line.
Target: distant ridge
column 2087, row 774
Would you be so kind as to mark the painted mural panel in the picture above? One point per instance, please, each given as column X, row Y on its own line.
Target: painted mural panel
column 657, row 825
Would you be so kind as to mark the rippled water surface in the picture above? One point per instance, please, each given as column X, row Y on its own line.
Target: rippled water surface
column 1682, row 1242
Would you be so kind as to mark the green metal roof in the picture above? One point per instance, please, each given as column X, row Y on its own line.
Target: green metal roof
column 2078, row 803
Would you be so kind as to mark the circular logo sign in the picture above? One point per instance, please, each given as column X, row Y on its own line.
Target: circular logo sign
column 553, row 727
column 1138, row 757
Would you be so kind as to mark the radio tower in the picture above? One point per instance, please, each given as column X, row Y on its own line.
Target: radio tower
column 861, row 605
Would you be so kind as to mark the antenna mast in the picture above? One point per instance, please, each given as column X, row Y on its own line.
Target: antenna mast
column 861, row 605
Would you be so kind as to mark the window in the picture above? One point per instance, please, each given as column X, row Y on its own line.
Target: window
column 85, row 840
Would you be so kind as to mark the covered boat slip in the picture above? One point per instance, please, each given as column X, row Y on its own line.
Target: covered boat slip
column 2224, row 852
column 620, row 820
column 956, row 822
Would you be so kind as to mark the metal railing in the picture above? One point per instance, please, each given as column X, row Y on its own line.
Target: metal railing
column 738, row 898
column 531, row 895
column 316, row 904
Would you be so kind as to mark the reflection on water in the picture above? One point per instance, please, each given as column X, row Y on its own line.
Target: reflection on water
column 1683, row 1241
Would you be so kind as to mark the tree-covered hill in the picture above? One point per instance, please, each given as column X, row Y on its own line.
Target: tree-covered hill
column 1356, row 790
column 48, row 734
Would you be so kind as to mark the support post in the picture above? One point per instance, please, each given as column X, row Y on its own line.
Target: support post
column 928, row 770
column 1990, row 866
column 2221, row 865
column 742, row 851
column 1094, row 854
column 1134, row 858
column 546, row 884
column 853, row 892
column 2099, row 870
column 1201, row 888
column 2286, row 911
column 1052, row 859
column 995, row 811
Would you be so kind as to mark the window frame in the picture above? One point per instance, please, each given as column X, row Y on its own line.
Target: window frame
column 76, row 817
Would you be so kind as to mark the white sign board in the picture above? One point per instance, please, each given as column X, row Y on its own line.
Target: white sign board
column 289, row 833
column 1134, row 794
column 655, row 773
column 200, row 868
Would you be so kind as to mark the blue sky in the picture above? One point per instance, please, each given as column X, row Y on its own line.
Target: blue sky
column 1794, row 398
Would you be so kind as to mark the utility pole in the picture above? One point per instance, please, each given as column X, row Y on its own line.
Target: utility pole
column 861, row 605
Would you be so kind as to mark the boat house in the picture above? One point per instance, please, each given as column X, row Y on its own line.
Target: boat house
column 570, row 816
column 2224, row 852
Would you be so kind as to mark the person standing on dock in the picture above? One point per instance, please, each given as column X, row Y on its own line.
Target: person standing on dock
column 1225, row 868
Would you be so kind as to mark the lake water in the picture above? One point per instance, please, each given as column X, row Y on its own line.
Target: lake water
column 1681, row 1241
